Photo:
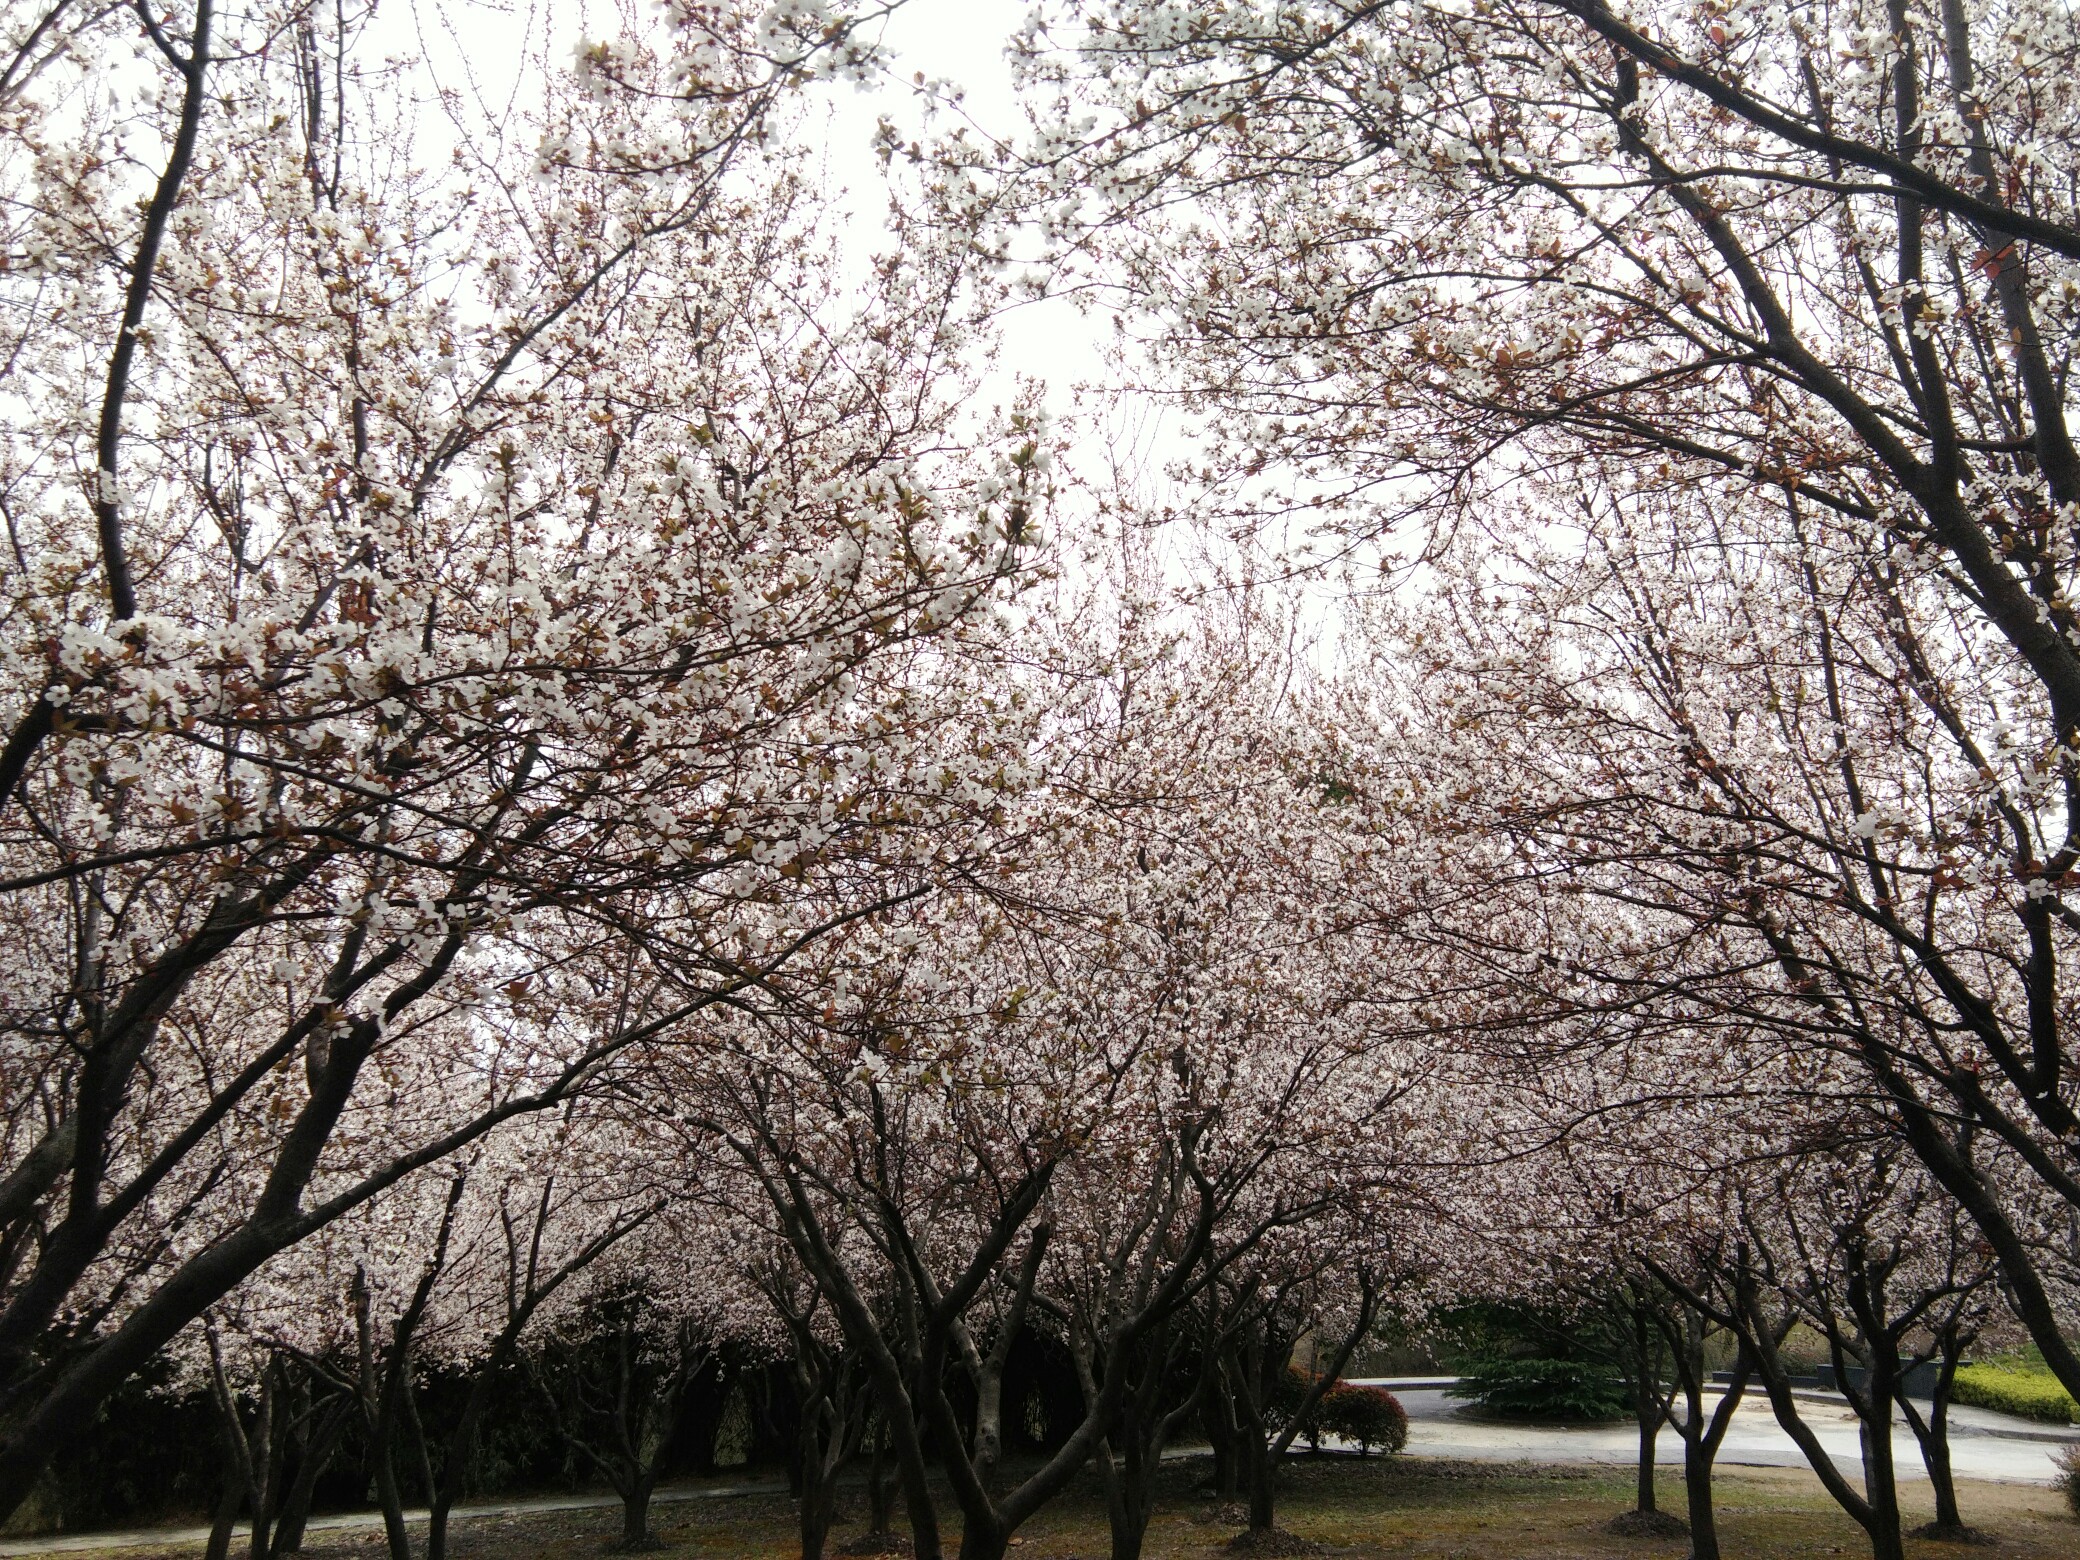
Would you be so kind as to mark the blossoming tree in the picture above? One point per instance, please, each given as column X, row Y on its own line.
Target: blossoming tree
column 467, row 576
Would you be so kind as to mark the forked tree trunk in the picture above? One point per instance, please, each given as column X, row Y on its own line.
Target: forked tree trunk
column 1146, row 1423
column 1933, row 1436
column 319, row 1446
column 1257, row 1360
column 1124, row 1518
column 830, row 1431
column 1702, row 1434
column 1130, row 1501
column 983, row 1540
column 1876, row 1509
column 819, row 1510
column 1649, row 1407
column 635, row 1512
column 1254, row 1362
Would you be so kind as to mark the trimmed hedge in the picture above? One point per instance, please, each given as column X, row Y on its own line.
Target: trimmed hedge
column 2015, row 1387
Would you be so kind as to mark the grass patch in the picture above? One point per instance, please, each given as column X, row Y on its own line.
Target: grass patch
column 1373, row 1509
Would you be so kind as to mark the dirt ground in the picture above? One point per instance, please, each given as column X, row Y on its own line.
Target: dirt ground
column 1407, row 1509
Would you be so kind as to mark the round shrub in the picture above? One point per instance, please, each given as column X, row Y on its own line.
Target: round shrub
column 2069, row 1476
column 1371, row 1416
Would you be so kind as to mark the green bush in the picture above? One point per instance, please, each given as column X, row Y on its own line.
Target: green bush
column 1371, row 1416
column 1543, row 1388
column 2014, row 1386
column 1527, row 1361
column 1286, row 1398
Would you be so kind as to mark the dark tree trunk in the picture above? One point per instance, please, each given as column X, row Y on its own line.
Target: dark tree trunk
column 932, row 1338
column 1881, row 1486
column 460, row 1450
column 381, row 1416
column 383, row 1473
column 1262, row 1481
column 819, row 1510
column 1702, row 1434
column 225, row 1517
column 438, row 1512
column 635, row 1513
column 1649, row 1407
column 1128, row 1512
column 384, row 1384
column 1256, row 1360
column 989, row 1416
column 1125, row 1519
column 1649, row 1434
column 832, row 1397
column 237, row 1448
column 1150, row 1413
column 1873, row 1403
column 266, row 1458
column 1876, row 1508
column 908, row 1447
column 983, row 1540
column 881, row 1487
column 1933, row 1436
column 1224, row 1434
column 1935, row 1455
column 1697, row 1498
column 315, row 1456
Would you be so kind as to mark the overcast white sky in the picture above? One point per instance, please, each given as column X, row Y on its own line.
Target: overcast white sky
column 482, row 45
column 484, row 49
column 962, row 41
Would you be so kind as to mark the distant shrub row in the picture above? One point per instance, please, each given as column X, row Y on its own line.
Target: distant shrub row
column 2017, row 1387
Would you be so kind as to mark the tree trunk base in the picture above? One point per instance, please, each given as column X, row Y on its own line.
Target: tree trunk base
column 877, row 1542
column 1953, row 1533
column 649, row 1543
column 1648, row 1524
column 1272, row 1541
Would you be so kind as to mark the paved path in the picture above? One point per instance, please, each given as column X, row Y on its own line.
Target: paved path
column 1982, row 1445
